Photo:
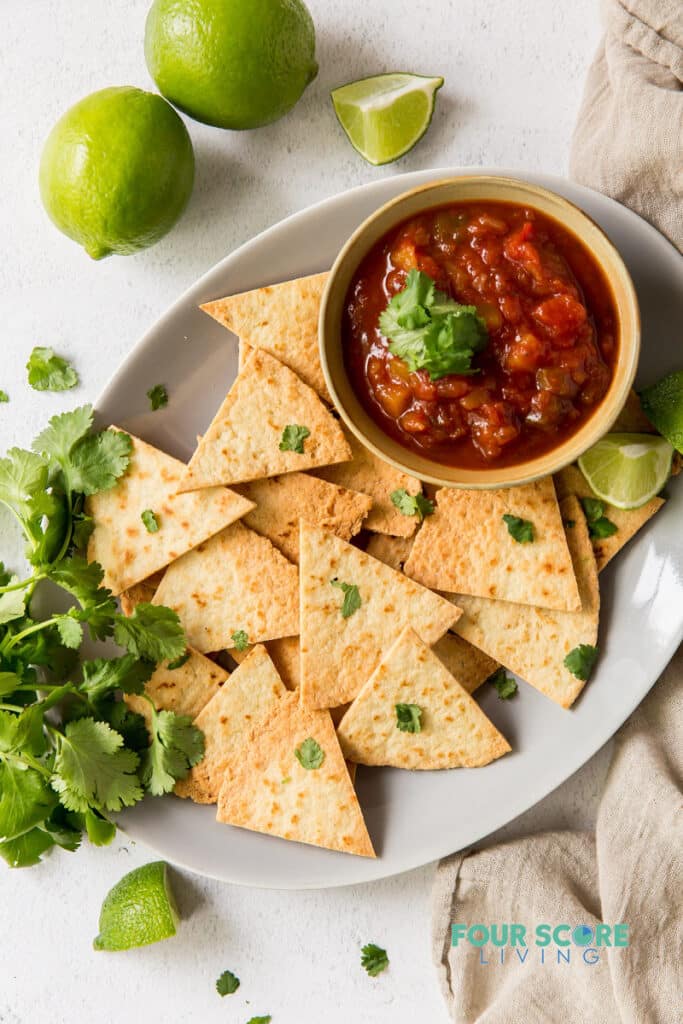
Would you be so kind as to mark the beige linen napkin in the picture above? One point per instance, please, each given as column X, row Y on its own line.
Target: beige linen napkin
column 628, row 140
column 630, row 871
column 628, row 143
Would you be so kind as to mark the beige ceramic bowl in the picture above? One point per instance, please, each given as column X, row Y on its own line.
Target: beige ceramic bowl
column 483, row 188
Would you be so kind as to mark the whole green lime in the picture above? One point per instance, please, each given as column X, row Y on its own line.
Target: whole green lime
column 231, row 63
column 117, row 171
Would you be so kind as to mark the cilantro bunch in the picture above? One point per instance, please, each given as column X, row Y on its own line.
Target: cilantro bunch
column 431, row 331
column 71, row 751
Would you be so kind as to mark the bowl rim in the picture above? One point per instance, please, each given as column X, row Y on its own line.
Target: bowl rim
column 575, row 445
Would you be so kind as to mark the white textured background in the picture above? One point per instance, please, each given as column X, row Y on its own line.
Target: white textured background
column 514, row 72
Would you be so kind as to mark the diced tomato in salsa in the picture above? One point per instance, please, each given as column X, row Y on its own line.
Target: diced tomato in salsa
column 550, row 317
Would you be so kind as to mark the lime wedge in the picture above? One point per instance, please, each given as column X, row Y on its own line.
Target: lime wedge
column 386, row 115
column 626, row 470
column 663, row 406
column 139, row 910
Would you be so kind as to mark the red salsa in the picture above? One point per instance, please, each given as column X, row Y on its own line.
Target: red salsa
column 551, row 324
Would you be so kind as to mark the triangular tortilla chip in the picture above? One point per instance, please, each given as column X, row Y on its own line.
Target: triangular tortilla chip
column 285, row 655
column 243, row 353
column 243, row 441
column 281, row 319
column 465, row 547
column 139, row 592
column 246, row 703
column 120, row 541
column 454, row 731
column 627, row 521
column 470, row 666
column 338, row 654
column 632, row 419
column 236, row 582
column 184, row 690
column 266, row 789
column 282, row 500
column 371, row 475
column 533, row 642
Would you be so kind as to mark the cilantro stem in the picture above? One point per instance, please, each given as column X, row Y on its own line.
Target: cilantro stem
column 28, row 761
column 22, row 584
column 11, row 641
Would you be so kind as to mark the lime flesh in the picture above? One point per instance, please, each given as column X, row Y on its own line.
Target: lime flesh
column 663, row 406
column 627, row 470
column 117, row 170
column 385, row 116
column 231, row 63
column 139, row 910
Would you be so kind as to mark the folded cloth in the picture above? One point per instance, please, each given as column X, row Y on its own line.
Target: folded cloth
column 630, row 871
column 628, row 140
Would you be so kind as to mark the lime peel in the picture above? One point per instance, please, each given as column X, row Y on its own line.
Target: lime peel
column 384, row 116
column 138, row 910
column 627, row 470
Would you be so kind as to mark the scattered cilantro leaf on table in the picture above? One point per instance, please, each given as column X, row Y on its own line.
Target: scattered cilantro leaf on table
column 293, row 437
column 430, row 331
column 49, row 372
column 580, row 661
column 352, row 601
column 412, row 504
column 505, row 685
column 227, row 984
column 260, row 1020
column 310, row 754
column 158, row 397
column 4, row 397
column 150, row 521
column 520, row 530
column 408, row 717
column 374, row 959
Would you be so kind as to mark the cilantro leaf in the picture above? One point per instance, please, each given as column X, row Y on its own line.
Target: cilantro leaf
column 176, row 746
column 49, row 372
column 431, row 331
column 408, row 717
column 240, row 640
column 260, row 1020
column 179, row 662
column 98, row 460
column 70, row 631
column 310, row 754
column 158, row 397
column 27, row 849
column 520, row 530
column 100, row 830
column 503, row 683
column 352, row 601
column 412, row 504
column 580, row 661
column 92, row 769
column 62, row 433
column 151, row 632
column 4, row 397
column 9, row 681
column 103, row 676
column 25, row 799
column 150, row 521
column 227, row 984
column 293, row 437
column 599, row 525
column 374, row 959
column 12, row 603
column 23, row 482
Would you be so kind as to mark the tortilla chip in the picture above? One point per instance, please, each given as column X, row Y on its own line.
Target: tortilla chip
column 454, row 731
column 470, row 666
column 465, row 547
column 628, row 521
column 237, row 581
column 282, row 500
column 246, row 703
column 266, row 789
column 243, row 353
column 338, row 654
column 284, row 654
column 184, row 690
column 370, row 475
column 281, row 319
column 139, row 593
column 120, row 541
column 243, row 441
column 533, row 642
column 632, row 419
column 392, row 551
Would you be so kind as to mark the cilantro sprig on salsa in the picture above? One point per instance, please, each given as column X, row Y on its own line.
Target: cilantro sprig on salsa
column 431, row 331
